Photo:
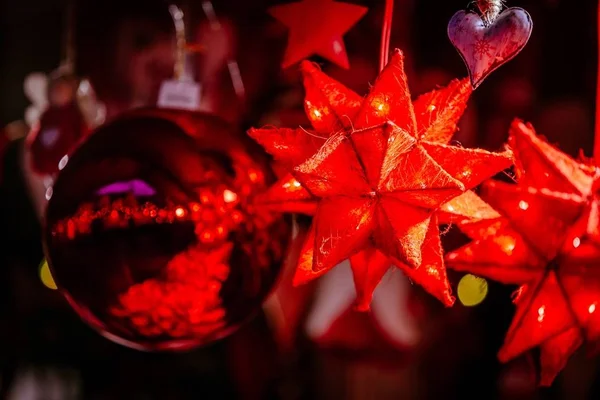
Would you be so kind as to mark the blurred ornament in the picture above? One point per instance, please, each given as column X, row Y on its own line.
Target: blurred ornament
column 58, row 118
column 390, row 324
column 517, row 380
column 151, row 236
column 378, row 179
column 547, row 239
column 316, row 28
column 64, row 108
column 489, row 41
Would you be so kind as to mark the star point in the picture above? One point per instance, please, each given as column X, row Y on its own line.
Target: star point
column 316, row 27
column 544, row 242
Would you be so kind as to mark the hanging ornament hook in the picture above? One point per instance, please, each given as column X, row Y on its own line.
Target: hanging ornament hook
column 232, row 65
column 490, row 10
column 181, row 42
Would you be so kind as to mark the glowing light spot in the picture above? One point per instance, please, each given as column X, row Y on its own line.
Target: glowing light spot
column 229, row 196
column 317, row 114
column 205, row 198
column 449, row 208
column 381, row 106
column 236, row 216
column 195, row 207
column 63, row 162
column 338, row 47
column 84, row 87
column 431, row 271
column 46, row 275
column 576, row 242
column 296, row 184
column 508, row 245
column 179, row 212
column 253, row 175
column 431, row 108
column 523, row 205
column 207, row 236
column 592, row 308
column 541, row 313
column 472, row 290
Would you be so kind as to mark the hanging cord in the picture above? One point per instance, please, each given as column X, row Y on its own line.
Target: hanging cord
column 386, row 34
column 181, row 41
column 232, row 65
column 67, row 62
column 183, row 69
column 597, row 127
column 69, row 49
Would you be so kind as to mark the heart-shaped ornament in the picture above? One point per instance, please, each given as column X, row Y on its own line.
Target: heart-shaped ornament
column 486, row 47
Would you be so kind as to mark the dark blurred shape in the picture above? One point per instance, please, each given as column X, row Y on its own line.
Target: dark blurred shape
column 174, row 267
column 125, row 48
column 567, row 122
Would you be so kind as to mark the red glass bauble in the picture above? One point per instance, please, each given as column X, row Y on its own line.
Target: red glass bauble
column 151, row 234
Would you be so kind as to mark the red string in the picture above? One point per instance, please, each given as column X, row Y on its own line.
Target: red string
column 597, row 133
column 386, row 33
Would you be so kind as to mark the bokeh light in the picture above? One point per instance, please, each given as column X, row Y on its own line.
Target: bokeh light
column 472, row 290
column 46, row 275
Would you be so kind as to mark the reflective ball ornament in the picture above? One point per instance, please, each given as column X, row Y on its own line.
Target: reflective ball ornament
column 151, row 234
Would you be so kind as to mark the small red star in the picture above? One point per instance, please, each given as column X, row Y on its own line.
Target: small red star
column 548, row 240
column 381, row 179
column 317, row 27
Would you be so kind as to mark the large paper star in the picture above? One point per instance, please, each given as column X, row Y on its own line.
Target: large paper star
column 378, row 179
column 548, row 240
column 317, row 27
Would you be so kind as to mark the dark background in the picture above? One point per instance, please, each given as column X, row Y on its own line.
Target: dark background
column 551, row 83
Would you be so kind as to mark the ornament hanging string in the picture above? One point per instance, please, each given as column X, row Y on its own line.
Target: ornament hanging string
column 597, row 127
column 386, row 34
column 70, row 36
column 68, row 56
column 183, row 67
column 232, row 65
column 180, row 58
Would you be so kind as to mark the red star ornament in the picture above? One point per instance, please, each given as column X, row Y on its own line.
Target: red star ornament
column 378, row 180
column 437, row 114
column 546, row 240
column 317, row 27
